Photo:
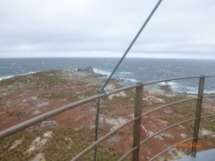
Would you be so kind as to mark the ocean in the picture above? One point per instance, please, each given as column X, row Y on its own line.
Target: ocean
column 131, row 70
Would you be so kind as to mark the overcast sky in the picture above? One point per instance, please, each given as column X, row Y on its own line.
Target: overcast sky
column 105, row 28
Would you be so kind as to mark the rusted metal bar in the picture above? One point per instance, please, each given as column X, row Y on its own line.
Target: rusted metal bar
column 85, row 151
column 137, row 123
column 154, row 157
column 30, row 122
column 96, row 128
column 198, row 113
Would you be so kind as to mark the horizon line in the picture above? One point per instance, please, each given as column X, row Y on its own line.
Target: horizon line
column 108, row 57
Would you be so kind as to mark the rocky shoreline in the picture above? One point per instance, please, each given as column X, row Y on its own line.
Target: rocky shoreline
column 27, row 96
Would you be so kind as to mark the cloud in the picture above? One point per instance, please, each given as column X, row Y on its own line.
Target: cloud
column 179, row 28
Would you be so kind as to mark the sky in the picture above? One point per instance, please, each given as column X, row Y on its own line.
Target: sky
column 95, row 28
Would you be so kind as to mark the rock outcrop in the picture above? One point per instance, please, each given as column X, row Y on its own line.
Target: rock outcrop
column 87, row 69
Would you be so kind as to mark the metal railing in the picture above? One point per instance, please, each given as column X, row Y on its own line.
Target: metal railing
column 137, row 118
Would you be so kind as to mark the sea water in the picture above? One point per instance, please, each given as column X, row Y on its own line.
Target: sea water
column 131, row 70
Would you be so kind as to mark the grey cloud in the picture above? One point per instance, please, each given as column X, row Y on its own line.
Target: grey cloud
column 35, row 28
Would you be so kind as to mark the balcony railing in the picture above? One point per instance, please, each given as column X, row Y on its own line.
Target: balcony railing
column 137, row 119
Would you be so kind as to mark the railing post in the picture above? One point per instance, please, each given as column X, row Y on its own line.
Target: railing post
column 198, row 114
column 137, row 123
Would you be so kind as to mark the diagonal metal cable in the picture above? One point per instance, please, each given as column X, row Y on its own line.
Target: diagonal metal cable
column 118, row 64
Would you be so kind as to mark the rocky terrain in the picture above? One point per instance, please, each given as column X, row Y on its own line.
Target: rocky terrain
column 65, row 135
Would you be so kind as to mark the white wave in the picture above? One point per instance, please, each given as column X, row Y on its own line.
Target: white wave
column 101, row 71
column 128, row 79
column 210, row 91
column 11, row 76
column 125, row 72
column 179, row 87
column 6, row 77
column 192, row 88
column 192, row 92
column 28, row 73
column 168, row 83
column 133, row 80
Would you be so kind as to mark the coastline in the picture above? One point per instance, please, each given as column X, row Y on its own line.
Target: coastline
column 103, row 75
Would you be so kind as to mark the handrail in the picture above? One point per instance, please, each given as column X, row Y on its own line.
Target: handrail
column 107, row 135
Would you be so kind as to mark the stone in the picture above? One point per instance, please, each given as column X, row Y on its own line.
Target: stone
column 183, row 135
column 49, row 125
column 47, row 134
column 35, row 113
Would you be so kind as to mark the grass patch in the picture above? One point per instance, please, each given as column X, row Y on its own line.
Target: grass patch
column 44, row 79
column 64, row 145
column 71, row 96
column 186, row 110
